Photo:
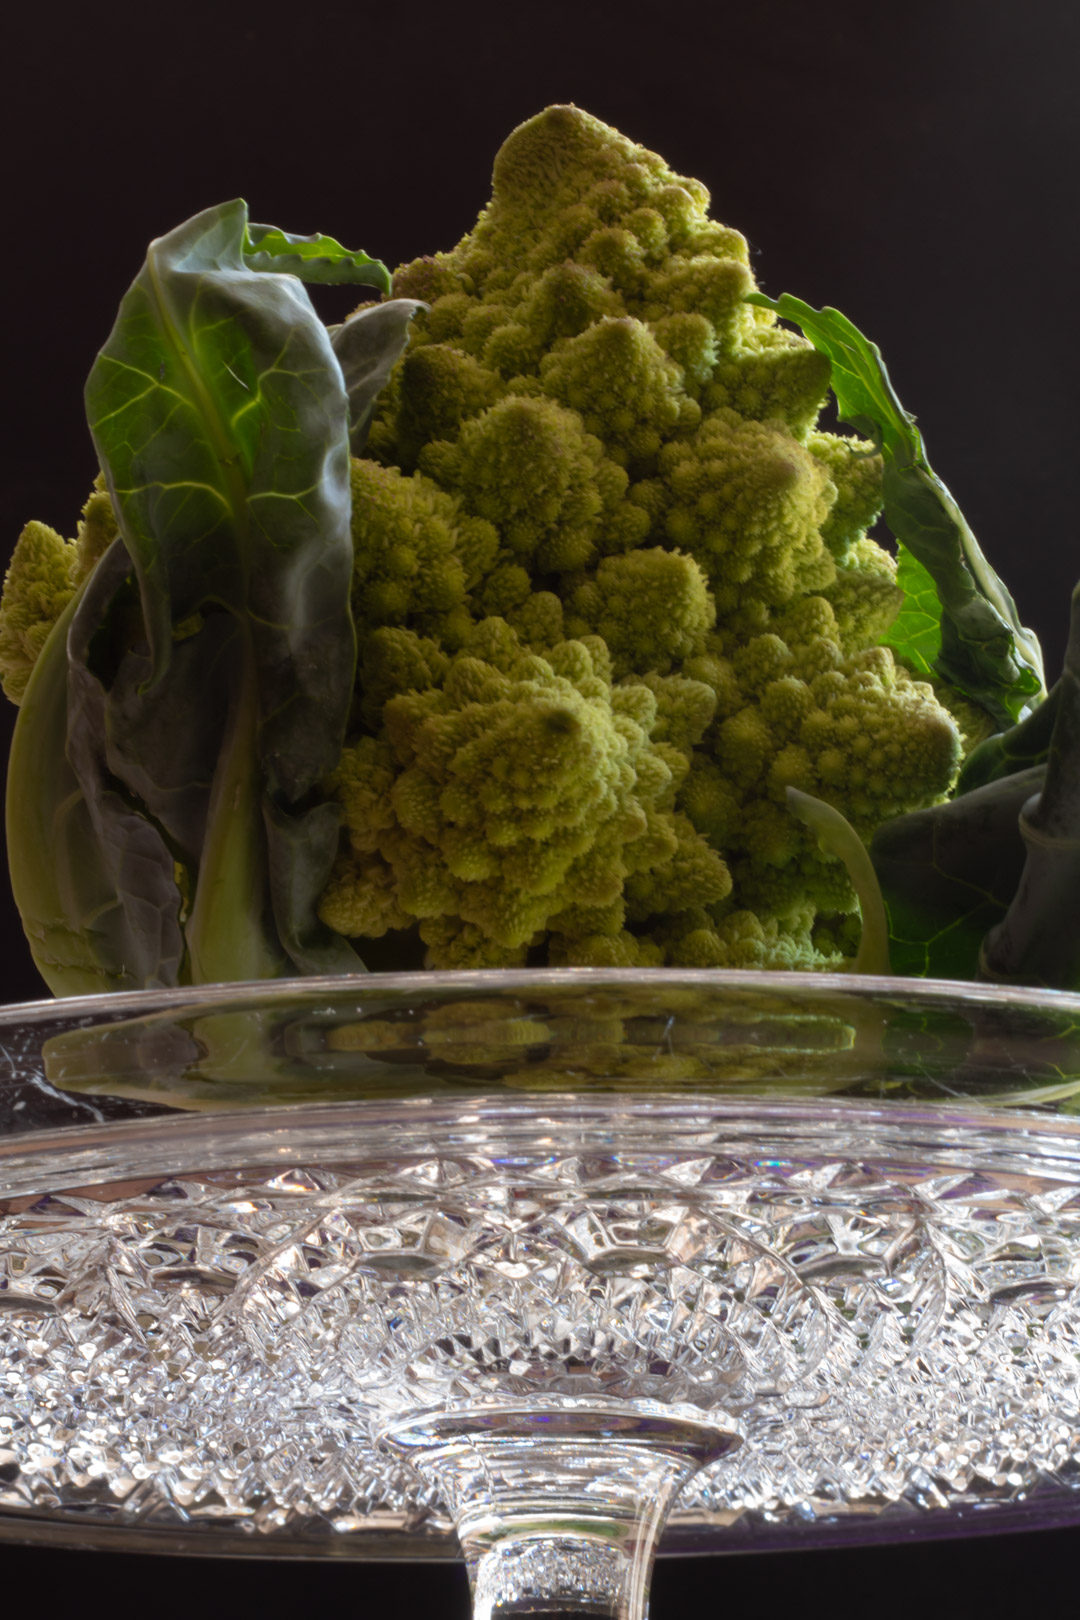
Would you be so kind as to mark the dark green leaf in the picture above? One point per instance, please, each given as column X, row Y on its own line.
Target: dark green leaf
column 97, row 915
column 1038, row 940
column 166, row 763
column 949, row 873
column 129, row 851
column 301, row 849
column 985, row 652
column 1006, row 752
column 988, row 885
column 208, row 671
column 368, row 345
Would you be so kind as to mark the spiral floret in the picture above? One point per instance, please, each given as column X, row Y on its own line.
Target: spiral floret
column 505, row 793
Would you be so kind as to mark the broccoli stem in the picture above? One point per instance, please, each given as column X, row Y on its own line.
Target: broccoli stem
column 227, row 931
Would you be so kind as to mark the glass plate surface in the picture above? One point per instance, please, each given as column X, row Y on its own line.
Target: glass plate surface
column 813, row 1240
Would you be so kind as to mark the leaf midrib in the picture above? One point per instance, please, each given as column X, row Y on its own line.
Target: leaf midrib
column 235, row 486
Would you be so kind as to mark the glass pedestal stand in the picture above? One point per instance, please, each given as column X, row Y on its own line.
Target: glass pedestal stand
column 559, row 1505
column 543, row 1261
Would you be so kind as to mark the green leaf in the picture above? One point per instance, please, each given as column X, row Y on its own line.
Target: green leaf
column 864, row 392
column 1016, row 749
column 312, row 258
column 92, row 881
column 367, row 346
column 1038, row 939
column 203, row 677
column 984, row 650
column 915, row 634
column 949, row 873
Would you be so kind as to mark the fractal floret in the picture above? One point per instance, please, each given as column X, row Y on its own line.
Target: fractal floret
column 508, row 800
column 46, row 570
column 615, row 595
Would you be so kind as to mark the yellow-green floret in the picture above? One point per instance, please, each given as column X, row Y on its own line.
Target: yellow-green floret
column 511, row 797
column 44, row 573
column 615, row 594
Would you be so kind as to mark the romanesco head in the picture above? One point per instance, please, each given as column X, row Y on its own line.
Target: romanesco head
column 591, row 706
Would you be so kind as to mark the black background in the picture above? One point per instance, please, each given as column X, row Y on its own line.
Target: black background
column 914, row 165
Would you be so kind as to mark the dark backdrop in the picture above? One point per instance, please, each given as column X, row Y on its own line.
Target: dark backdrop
column 913, row 165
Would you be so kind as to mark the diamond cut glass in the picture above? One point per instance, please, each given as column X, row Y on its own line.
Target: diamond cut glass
column 540, row 1259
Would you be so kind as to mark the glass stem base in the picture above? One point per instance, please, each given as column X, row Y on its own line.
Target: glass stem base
column 559, row 1505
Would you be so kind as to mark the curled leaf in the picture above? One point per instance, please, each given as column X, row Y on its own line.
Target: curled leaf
column 949, row 873
column 979, row 646
column 368, row 346
column 198, row 690
column 312, row 258
column 838, row 837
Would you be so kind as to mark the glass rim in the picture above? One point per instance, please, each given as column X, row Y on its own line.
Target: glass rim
column 780, row 993
column 439, row 981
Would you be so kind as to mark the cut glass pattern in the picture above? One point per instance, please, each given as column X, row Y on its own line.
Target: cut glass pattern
column 889, row 1307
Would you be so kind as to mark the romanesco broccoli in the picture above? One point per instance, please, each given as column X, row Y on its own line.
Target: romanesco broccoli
column 670, row 614
column 613, row 594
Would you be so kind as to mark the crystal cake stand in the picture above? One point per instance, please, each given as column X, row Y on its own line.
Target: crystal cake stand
column 552, row 1262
